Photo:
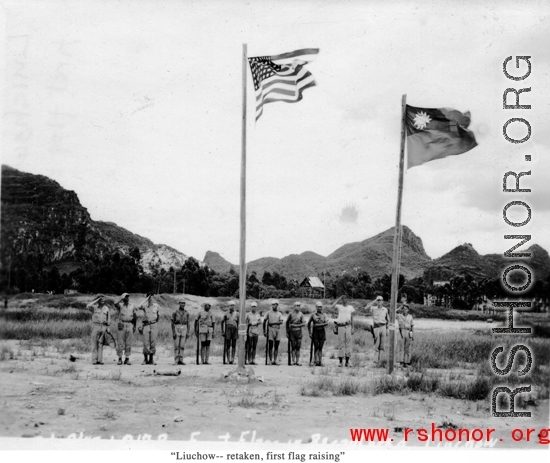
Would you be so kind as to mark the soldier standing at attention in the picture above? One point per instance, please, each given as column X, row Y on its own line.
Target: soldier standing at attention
column 126, row 328
column 253, row 321
column 149, row 328
column 294, row 323
column 180, row 331
column 380, row 320
column 406, row 325
column 344, row 326
column 230, row 330
column 100, row 324
column 205, row 329
column 273, row 322
column 316, row 326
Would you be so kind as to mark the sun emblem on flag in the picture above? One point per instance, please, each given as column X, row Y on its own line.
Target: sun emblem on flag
column 421, row 120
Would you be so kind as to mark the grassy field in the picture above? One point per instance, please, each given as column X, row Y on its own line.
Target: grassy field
column 446, row 363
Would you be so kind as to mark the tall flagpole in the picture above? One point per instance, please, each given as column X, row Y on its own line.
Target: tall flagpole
column 397, row 242
column 242, row 266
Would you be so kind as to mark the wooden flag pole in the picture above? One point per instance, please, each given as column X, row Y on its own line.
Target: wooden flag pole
column 242, row 266
column 397, row 243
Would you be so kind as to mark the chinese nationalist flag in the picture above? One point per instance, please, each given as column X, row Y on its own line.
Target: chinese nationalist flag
column 436, row 133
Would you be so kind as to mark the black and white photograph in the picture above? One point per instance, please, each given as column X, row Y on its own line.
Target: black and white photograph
column 284, row 231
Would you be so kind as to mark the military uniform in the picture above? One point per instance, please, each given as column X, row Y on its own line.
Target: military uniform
column 231, row 333
column 343, row 324
column 317, row 328
column 406, row 325
column 294, row 334
column 126, row 327
column 379, row 325
column 273, row 321
column 205, row 322
column 253, row 321
column 100, row 326
column 150, row 330
column 180, row 330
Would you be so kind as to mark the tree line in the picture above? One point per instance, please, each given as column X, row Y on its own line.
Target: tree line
column 118, row 272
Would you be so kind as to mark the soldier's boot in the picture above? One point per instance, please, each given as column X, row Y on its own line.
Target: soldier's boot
column 347, row 362
column 340, row 364
column 232, row 354
column 298, row 359
column 207, row 354
column 202, row 354
column 127, row 361
column 152, row 359
column 144, row 359
column 119, row 361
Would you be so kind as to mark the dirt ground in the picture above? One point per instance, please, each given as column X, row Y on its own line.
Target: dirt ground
column 47, row 395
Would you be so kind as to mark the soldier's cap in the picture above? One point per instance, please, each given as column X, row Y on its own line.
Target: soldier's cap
column 379, row 298
column 275, row 302
column 125, row 295
column 318, row 304
column 150, row 294
column 254, row 304
column 231, row 302
column 182, row 302
column 405, row 305
column 297, row 304
column 99, row 296
column 206, row 304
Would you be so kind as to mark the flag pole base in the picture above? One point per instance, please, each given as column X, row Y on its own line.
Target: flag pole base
column 242, row 375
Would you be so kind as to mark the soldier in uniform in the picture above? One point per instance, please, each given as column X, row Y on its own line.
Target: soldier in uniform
column 380, row 320
column 405, row 338
column 100, row 325
column 272, row 324
column 149, row 328
column 253, row 322
column 316, row 326
column 205, row 330
column 344, row 327
column 126, row 327
column 230, row 330
column 180, row 331
column 294, row 324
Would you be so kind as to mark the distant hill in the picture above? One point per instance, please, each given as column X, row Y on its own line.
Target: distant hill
column 217, row 262
column 373, row 255
column 464, row 259
column 43, row 221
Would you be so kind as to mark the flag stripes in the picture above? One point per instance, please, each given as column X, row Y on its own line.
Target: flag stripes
column 275, row 82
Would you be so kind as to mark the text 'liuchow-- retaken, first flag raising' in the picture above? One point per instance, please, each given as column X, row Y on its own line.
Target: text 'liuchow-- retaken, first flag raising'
column 281, row 77
column 436, row 133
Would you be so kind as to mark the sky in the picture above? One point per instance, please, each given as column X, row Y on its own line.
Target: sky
column 137, row 107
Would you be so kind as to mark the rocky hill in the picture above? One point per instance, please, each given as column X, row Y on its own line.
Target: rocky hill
column 42, row 221
column 373, row 255
column 464, row 259
column 217, row 262
column 43, row 224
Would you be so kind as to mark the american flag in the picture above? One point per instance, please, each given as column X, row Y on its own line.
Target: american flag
column 281, row 77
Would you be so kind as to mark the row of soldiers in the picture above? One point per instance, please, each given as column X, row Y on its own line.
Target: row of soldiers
column 271, row 325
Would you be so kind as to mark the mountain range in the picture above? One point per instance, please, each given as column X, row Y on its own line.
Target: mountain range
column 374, row 256
column 40, row 217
